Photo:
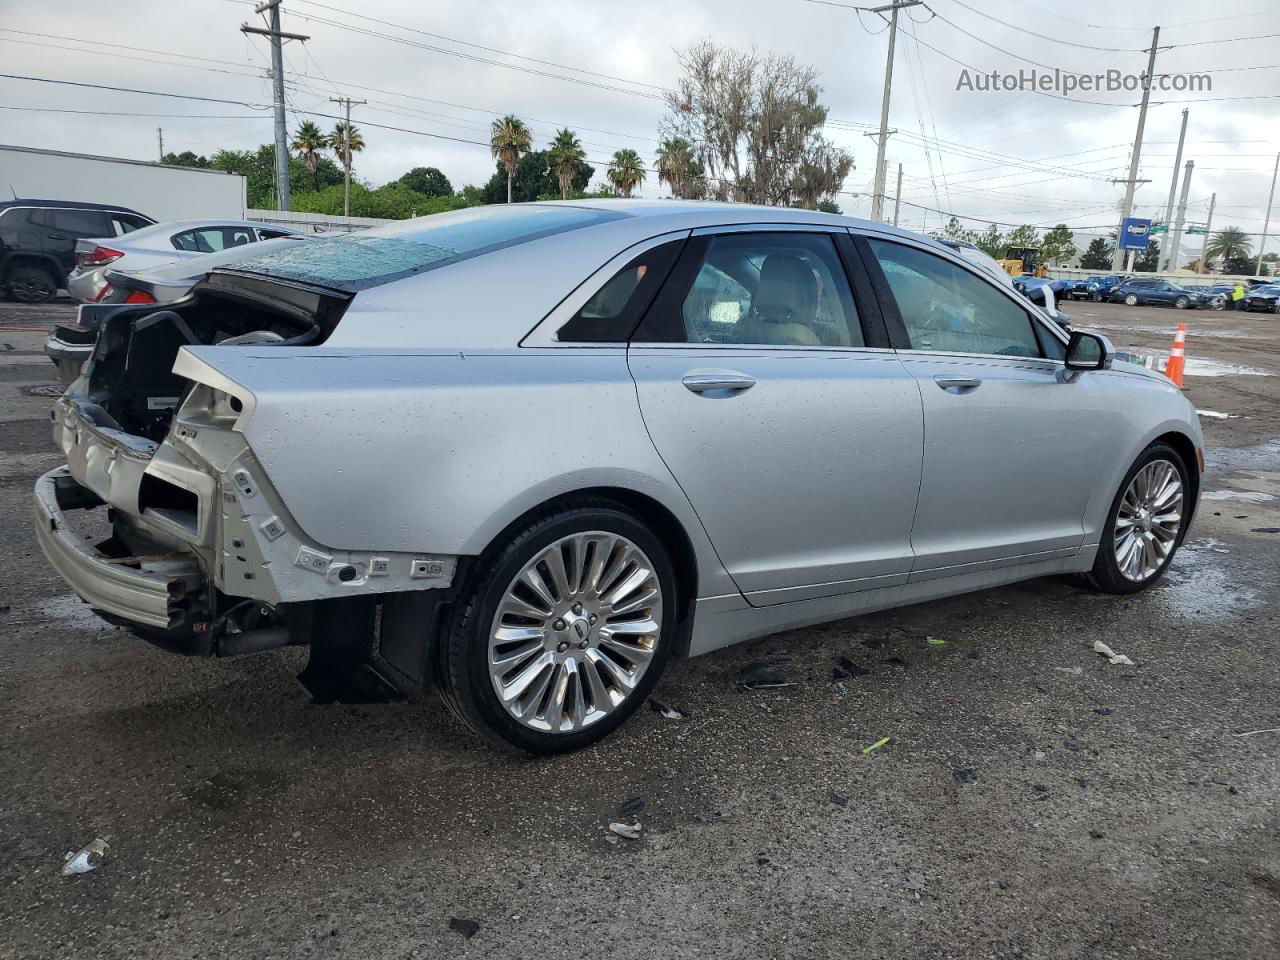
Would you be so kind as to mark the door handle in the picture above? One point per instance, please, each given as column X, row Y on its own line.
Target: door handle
column 958, row 384
column 57, row 236
column 708, row 382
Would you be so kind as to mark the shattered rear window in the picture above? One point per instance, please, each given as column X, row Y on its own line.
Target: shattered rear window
column 358, row 261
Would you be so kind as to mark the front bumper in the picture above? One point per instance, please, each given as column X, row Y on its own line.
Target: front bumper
column 152, row 590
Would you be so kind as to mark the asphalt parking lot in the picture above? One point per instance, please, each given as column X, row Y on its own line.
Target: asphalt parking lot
column 1033, row 800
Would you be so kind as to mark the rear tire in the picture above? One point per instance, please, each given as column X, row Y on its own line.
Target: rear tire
column 1136, row 558
column 1181, row 303
column 569, row 677
column 1131, row 300
column 31, row 284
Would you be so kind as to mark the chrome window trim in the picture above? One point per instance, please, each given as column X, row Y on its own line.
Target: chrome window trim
column 770, row 227
column 762, row 348
column 946, row 253
column 544, row 332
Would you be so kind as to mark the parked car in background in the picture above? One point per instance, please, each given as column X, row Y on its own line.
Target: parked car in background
column 530, row 454
column 156, row 244
column 1214, row 297
column 1152, row 291
column 1263, row 298
column 38, row 242
column 1092, row 288
column 69, row 344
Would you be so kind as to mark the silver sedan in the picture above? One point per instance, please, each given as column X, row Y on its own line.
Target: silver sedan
column 530, row 455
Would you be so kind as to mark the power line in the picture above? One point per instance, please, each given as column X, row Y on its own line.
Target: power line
column 1030, row 33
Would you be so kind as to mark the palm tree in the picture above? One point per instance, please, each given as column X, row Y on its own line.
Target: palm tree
column 626, row 171
column 1227, row 244
column 676, row 165
column 308, row 142
column 345, row 142
column 509, row 139
column 566, row 156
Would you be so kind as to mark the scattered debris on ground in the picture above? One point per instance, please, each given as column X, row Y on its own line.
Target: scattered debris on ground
column 847, row 668
column 468, row 928
column 882, row 742
column 1115, row 658
column 89, row 857
column 723, row 813
column 1253, row 733
column 632, row 807
column 671, row 713
column 763, row 676
column 839, row 799
column 629, row 830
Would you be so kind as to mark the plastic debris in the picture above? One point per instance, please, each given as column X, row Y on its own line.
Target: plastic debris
column 1116, row 658
column 883, row 741
column 1103, row 711
column 88, row 857
column 1265, row 530
column 1074, row 671
column 762, row 676
column 632, row 806
column 629, row 830
column 915, row 881
column 839, row 799
column 723, row 813
column 963, row 775
column 1071, row 745
column 671, row 713
column 935, row 641
column 535, row 869
column 468, row 928
column 847, row 668
column 1254, row 733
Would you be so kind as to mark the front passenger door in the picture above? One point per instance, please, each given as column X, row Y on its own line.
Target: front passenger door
column 796, row 439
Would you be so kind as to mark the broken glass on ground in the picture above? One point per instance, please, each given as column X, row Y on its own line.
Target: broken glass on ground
column 763, row 676
column 89, row 857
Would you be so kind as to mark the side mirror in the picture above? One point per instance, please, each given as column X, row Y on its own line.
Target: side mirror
column 1089, row 351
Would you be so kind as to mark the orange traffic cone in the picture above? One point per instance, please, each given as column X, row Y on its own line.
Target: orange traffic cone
column 1177, row 360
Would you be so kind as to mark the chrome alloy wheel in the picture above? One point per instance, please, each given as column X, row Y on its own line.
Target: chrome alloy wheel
column 575, row 631
column 1148, row 520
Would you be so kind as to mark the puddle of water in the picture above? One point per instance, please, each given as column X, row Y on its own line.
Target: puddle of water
column 70, row 611
column 1195, row 366
column 1170, row 331
column 1262, row 456
column 1243, row 496
column 1214, row 414
column 1198, row 585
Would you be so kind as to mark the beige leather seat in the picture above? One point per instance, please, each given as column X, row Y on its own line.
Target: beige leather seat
column 785, row 302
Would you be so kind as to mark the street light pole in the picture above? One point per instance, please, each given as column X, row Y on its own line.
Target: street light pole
column 1266, row 224
column 1177, row 163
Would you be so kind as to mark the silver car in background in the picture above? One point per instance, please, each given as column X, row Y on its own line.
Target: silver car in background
column 532, row 454
column 156, row 244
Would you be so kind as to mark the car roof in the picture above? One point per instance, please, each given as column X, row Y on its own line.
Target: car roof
column 71, row 204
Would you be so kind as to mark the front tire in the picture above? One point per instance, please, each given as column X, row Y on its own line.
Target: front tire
column 1131, row 300
column 1181, row 303
column 562, row 630
column 1146, row 524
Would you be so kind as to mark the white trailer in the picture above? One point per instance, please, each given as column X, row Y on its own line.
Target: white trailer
column 158, row 190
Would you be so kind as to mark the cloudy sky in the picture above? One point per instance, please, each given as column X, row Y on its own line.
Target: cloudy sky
column 600, row 66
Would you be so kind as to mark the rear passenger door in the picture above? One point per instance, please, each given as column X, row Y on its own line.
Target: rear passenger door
column 1013, row 447
column 770, row 391
column 64, row 226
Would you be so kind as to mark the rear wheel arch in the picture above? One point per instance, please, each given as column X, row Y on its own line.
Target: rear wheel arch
column 655, row 515
column 41, row 261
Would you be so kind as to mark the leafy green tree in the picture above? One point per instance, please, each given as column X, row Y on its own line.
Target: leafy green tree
column 509, row 140
column 1230, row 243
column 428, row 181
column 1148, row 261
column 829, row 206
column 308, row 145
column 1057, row 246
column 1239, row 266
column 533, row 178
column 1269, row 262
column 185, row 159
column 391, row 201
column 992, row 242
column 1024, row 236
column 566, row 156
column 678, row 168
column 1097, row 256
column 258, row 169
column 626, row 171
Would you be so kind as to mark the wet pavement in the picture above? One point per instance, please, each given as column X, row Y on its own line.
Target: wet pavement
column 1031, row 800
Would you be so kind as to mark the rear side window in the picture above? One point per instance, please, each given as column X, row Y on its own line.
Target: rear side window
column 126, row 223
column 615, row 309
column 359, row 261
column 79, row 223
column 272, row 234
column 946, row 309
column 212, row 239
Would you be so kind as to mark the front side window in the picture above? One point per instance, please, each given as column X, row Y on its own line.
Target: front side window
column 946, row 309
column 774, row 289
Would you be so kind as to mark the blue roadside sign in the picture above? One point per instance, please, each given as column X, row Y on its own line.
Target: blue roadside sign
column 1134, row 233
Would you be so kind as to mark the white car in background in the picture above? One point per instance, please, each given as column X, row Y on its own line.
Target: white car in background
column 159, row 243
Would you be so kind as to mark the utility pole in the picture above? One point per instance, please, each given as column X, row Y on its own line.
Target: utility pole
column 1175, row 240
column 877, row 197
column 277, row 78
column 348, row 103
column 1173, row 185
column 160, row 134
column 1208, row 227
column 1267, row 222
column 1131, row 184
column 897, row 197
